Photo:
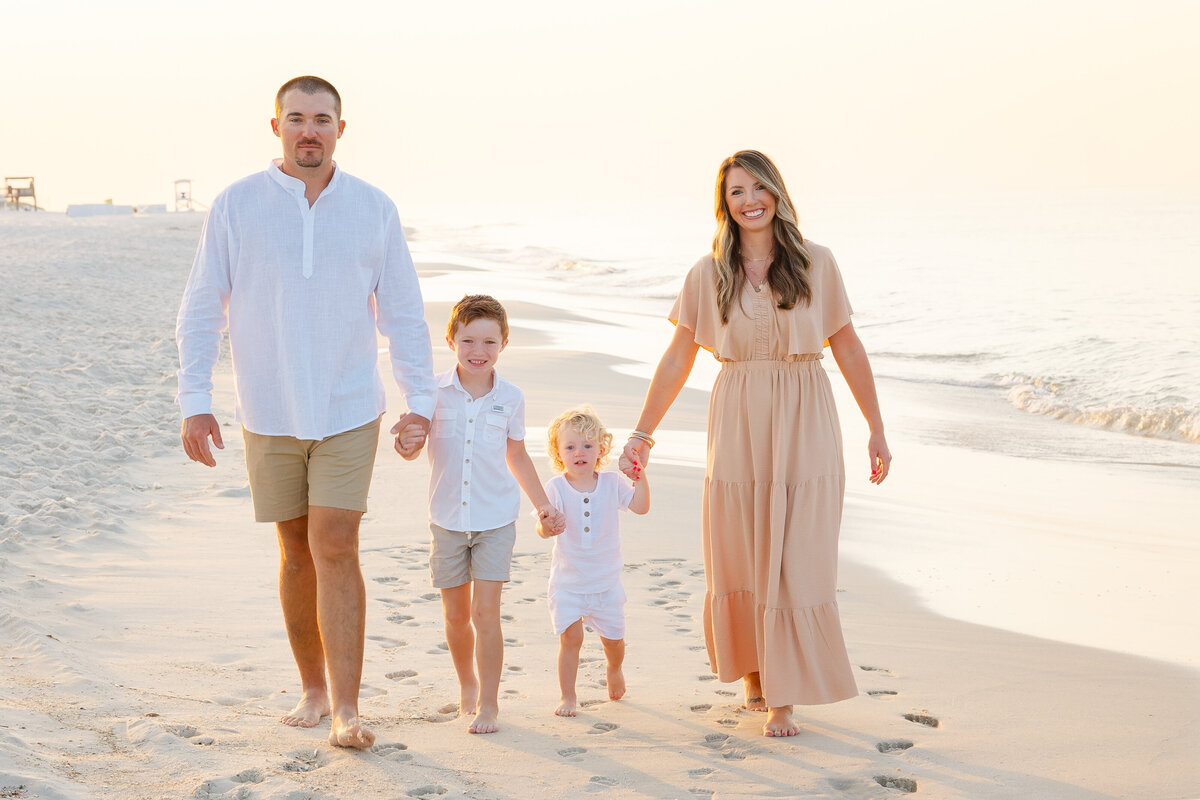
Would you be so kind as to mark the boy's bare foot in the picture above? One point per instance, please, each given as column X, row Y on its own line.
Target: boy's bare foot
column 468, row 700
column 616, row 684
column 567, row 708
column 754, row 695
column 780, row 722
column 486, row 721
column 308, row 712
column 349, row 731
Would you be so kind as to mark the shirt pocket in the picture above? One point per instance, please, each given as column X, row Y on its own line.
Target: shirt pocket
column 443, row 422
column 495, row 427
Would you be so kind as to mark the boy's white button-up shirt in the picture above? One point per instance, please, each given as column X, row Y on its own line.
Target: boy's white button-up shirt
column 302, row 291
column 470, row 485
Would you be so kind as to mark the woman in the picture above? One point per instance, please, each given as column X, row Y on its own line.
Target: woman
column 765, row 302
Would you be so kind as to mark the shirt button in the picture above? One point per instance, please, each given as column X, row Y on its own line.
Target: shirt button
column 587, row 513
column 464, row 502
column 466, row 483
column 470, row 420
column 587, row 499
column 468, row 461
column 585, row 530
column 468, row 441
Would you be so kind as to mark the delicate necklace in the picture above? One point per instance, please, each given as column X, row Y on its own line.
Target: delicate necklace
column 745, row 268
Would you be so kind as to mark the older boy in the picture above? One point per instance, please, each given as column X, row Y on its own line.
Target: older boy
column 478, row 461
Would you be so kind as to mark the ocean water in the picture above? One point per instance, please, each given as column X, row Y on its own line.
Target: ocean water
column 1081, row 307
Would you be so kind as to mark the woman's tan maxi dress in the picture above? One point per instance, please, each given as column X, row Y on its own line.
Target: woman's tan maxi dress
column 773, row 487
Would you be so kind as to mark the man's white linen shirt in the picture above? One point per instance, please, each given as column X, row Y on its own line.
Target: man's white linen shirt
column 302, row 290
column 470, row 485
column 587, row 555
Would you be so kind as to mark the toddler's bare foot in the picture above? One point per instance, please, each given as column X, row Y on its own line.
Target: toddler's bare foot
column 754, row 695
column 349, row 731
column 308, row 712
column 486, row 721
column 616, row 684
column 568, row 707
column 780, row 722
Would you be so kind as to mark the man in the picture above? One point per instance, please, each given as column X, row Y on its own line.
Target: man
column 302, row 262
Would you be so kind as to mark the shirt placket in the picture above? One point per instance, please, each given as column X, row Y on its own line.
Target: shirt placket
column 762, row 325
column 308, row 214
column 469, row 437
column 587, row 537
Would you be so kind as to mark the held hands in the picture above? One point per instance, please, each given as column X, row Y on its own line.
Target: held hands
column 881, row 458
column 195, row 434
column 410, row 431
column 634, row 458
column 551, row 521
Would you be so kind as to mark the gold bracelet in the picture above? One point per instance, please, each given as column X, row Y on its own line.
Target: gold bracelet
column 645, row 437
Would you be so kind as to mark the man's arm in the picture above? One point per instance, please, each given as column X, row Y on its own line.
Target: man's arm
column 401, row 319
column 203, row 317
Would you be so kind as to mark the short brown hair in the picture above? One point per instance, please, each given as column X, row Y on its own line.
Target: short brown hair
column 477, row 306
column 309, row 84
column 582, row 420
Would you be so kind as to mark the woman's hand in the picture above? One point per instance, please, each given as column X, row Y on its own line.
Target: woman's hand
column 634, row 458
column 881, row 457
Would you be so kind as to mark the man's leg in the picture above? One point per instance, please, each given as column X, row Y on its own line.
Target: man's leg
column 298, row 596
column 489, row 653
column 341, row 614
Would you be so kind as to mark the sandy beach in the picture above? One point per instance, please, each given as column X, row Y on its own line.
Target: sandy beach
column 145, row 653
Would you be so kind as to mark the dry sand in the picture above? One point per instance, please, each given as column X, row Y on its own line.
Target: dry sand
column 145, row 654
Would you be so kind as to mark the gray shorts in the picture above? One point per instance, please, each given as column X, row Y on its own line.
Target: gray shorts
column 457, row 557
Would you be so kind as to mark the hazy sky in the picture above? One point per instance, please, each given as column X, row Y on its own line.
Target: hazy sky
column 570, row 104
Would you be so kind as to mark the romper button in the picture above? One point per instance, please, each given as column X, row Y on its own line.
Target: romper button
column 587, row 499
column 466, row 483
column 587, row 513
column 464, row 502
column 468, row 461
column 585, row 530
column 468, row 441
column 470, row 420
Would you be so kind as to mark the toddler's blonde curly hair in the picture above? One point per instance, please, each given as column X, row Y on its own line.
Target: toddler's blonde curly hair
column 582, row 420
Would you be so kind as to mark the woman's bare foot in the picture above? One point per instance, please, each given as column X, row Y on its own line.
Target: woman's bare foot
column 349, row 731
column 567, row 707
column 616, row 684
column 308, row 712
column 754, row 695
column 780, row 722
column 486, row 721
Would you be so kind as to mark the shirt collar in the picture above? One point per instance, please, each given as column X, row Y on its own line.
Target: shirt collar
column 295, row 186
column 450, row 378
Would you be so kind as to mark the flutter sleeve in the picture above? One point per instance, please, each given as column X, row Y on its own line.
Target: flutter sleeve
column 829, row 292
column 696, row 306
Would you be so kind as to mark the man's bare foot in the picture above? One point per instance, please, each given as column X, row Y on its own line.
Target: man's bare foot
column 567, row 707
column 780, row 722
column 349, row 731
column 754, row 695
column 616, row 684
column 308, row 712
column 486, row 721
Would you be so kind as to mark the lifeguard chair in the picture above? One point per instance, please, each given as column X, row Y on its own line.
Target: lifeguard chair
column 15, row 189
column 183, row 195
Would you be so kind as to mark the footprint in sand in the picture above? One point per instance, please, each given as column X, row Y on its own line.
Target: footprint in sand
column 590, row 703
column 893, row 745
column 884, row 670
column 568, row 752
column 182, row 731
column 449, row 708
column 603, row 781
column 515, row 668
column 393, row 751
column 249, row 776
column 430, row 790
column 508, row 618
column 431, row 596
column 389, row 579
column 514, row 643
column 725, row 693
column 701, row 792
column 661, row 601
column 882, row 692
column 715, row 740
column 727, row 723
column 924, row 719
column 399, row 674
column 700, row 772
column 697, row 647
column 398, row 618
column 903, row 784
column 604, row 727
column 708, row 677
column 302, row 761
column 700, row 708
column 387, row 641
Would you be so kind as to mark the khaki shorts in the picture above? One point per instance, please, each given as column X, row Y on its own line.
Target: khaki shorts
column 456, row 557
column 287, row 474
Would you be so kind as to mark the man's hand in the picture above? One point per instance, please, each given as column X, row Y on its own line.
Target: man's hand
column 410, row 431
column 551, row 521
column 195, row 434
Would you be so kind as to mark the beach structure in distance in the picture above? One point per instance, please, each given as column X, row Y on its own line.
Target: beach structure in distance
column 183, row 195
column 18, row 188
